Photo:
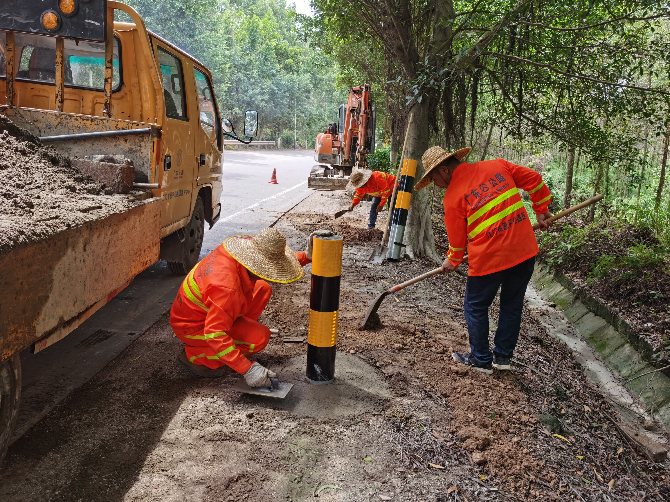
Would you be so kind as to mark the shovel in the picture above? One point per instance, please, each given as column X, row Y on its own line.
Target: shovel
column 340, row 213
column 372, row 319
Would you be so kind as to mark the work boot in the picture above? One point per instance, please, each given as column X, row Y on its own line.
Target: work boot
column 469, row 360
column 502, row 363
column 199, row 369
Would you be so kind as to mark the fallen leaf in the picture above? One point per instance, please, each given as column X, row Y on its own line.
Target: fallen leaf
column 326, row 487
column 560, row 437
column 435, row 466
column 587, row 409
column 368, row 459
column 562, row 411
column 580, row 457
column 437, row 436
column 619, row 451
column 580, row 473
column 452, row 489
column 611, row 484
column 598, row 476
column 586, row 481
column 483, row 478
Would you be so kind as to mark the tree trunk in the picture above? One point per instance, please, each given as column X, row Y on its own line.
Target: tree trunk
column 592, row 210
column 661, row 181
column 419, row 237
column 486, row 145
column 568, row 177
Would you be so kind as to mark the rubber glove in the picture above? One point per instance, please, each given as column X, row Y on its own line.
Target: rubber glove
column 259, row 376
column 310, row 243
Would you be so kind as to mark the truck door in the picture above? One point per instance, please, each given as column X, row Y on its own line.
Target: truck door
column 177, row 140
column 209, row 142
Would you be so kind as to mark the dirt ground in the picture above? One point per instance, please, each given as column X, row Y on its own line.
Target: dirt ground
column 41, row 193
column 404, row 423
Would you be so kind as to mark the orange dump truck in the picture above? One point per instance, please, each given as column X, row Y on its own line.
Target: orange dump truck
column 95, row 89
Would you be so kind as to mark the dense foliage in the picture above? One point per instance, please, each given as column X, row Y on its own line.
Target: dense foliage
column 261, row 55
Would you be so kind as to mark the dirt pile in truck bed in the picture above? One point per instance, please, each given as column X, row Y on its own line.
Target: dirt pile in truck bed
column 41, row 193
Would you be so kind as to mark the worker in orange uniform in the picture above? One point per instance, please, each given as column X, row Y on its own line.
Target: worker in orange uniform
column 218, row 305
column 375, row 183
column 484, row 213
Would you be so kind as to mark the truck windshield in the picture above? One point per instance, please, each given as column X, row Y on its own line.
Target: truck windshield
column 84, row 61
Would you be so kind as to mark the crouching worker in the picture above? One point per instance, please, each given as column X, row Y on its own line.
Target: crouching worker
column 375, row 183
column 483, row 211
column 218, row 305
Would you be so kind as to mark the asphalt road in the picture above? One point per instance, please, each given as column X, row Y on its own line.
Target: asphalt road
column 248, row 204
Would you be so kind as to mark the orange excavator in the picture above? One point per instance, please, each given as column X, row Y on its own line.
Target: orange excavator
column 346, row 143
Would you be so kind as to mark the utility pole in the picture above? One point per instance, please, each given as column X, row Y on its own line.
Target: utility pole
column 295, row 124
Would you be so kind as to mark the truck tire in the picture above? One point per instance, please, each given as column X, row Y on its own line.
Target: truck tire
column 195, row 230
column 10, row 395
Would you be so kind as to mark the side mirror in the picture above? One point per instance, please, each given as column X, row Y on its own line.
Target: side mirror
column 251, row 123
column 227, row 126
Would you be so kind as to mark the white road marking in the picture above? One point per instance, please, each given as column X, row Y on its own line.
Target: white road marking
column 247, row 209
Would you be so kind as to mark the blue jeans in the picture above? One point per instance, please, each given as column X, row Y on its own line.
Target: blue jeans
column 479, row 294
column 373, row 211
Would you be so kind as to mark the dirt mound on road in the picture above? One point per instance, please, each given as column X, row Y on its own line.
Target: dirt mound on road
column 41, row 193
column 351, row 233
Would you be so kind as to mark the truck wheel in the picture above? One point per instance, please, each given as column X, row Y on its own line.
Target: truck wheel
column 195, row 230
column 10, row 395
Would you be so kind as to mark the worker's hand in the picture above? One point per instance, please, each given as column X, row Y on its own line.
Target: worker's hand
column 447, row 267
column 259, row 376
column 380, row 208
column 541, row 220
column 351, row 208
column 310, row 242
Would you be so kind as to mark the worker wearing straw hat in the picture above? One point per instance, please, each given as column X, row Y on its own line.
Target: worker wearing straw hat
column 484, row 213
column 218, row 305
column 377, row 184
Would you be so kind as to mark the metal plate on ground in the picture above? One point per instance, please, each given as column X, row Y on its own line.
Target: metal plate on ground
column 280, row 393
column 293, row 339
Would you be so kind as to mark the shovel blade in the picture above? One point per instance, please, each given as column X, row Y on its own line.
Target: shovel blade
column 340, row 213
column 280, row 393
column 378, row 255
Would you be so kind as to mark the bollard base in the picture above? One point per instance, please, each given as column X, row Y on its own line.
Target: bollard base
column 320, row 363
column 319, row 382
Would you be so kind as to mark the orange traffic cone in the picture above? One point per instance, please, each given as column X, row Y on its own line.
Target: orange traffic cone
column 274, row 177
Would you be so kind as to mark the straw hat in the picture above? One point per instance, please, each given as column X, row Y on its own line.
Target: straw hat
column 359, row 178
column 266, row 255
column 432, row 158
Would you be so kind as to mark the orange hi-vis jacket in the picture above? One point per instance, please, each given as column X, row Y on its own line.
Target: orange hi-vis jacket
column 215, row 293
column 483, row 211
column 379, row 185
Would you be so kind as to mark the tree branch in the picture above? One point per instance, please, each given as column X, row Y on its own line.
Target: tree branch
column 579, row 28
column 572, row 75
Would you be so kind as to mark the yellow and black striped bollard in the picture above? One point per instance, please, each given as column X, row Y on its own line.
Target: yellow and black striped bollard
column 324, row 303
column 399, row 216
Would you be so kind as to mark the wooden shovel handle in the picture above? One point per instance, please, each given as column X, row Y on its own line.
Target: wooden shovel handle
column 572, row 209
column 416, row 279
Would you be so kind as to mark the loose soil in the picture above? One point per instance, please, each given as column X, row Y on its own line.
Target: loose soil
column 41, row 193
column 639, row 295
column 143, row 430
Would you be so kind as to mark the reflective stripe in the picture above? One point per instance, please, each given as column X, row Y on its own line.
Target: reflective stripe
column 358, row 196
column 485, row 209
column 454, row 259
column 223, row 352
column 495, row 218
column 539, row 203
column 196, row 357
column 193, row 284
column 456, row 249
column 208, row 336
column 242, row 342
column 537, row 187
column 189, row 294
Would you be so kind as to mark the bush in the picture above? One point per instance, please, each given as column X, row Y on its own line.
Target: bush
column 381, row 160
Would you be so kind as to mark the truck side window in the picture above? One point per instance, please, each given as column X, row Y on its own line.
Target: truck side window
column 209, row 115
column 173, row 85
